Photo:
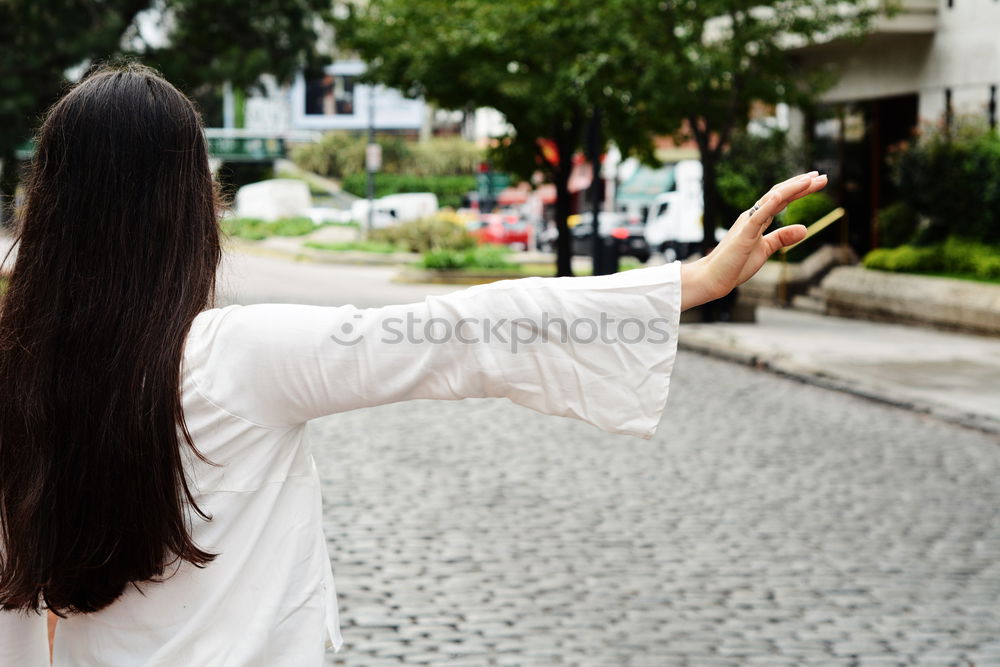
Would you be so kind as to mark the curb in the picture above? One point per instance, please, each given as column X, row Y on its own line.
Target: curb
column 818, row 378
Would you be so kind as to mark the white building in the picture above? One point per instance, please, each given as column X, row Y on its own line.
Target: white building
column 338, row 101
column 932, row 62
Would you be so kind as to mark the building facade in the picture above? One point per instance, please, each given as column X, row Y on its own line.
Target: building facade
column 933, row 62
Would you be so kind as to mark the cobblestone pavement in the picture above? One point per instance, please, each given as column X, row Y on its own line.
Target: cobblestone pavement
column 768, row 523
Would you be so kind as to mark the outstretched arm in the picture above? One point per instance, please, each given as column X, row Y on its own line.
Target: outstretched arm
column 745, row 248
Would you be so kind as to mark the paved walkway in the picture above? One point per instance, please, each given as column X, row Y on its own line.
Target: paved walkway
column 953, row 376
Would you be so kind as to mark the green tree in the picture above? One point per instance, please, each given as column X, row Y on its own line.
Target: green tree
column 651, row 66
column 544, row 64
column 723, row 56
column 207, row 42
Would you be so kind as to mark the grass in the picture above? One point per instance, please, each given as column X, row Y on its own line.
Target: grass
column 362, row 246
column 253, row 229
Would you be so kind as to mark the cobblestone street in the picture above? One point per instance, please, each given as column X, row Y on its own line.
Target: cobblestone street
column 768, row 523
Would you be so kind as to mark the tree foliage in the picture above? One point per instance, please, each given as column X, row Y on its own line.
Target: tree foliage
column 676, row 67
column 204, row 42
column 544, row 64
column 728, row 55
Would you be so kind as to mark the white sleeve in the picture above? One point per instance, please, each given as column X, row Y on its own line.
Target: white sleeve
column 24, row 639
column 599, row 348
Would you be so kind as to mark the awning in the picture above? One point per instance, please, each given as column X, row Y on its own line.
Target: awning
column 645, row 184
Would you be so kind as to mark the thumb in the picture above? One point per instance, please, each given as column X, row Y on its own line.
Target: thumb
column 783, row 237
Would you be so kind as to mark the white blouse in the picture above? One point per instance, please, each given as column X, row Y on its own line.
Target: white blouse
column 600, row 349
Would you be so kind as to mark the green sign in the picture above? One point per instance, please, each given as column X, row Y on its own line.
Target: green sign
column 246, row 149
column 491, row 184
column 227, row 149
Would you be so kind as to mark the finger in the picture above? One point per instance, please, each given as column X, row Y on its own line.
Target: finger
column 776, row 199
column 784, row 236
column 793, row 178
column 818, row 183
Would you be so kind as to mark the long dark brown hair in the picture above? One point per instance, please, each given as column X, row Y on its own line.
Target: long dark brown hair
column 118, row 251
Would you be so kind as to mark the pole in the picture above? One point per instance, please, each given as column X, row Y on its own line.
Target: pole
column 600, row 259
column 369, row 163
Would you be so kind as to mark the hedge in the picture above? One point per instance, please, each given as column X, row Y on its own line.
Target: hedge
column 449, row 189
column 952, row 179
column 953, row 257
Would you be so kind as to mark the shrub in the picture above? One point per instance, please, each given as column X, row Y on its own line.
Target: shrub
column 443, row 259
column 425, row 235
column 492, row 257
column 897, row 224
column 953, row 179
column 444, row 156
column 954, row 257
column 449, row 189
column 809, row 209
column 342, row 154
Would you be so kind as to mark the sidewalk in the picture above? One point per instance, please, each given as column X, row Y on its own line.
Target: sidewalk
column 955, row 377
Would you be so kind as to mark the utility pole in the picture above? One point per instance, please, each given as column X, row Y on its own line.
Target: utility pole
column 373, row 161
column 603, row 259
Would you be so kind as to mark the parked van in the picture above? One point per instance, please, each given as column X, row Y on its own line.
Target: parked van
column 675, row 225
column 394, row 209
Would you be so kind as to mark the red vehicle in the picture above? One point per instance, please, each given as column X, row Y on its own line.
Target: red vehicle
column 506, row 229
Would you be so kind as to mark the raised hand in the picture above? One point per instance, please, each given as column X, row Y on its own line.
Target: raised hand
column 745, row 248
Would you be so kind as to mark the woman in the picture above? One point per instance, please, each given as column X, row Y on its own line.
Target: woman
column 156, row 491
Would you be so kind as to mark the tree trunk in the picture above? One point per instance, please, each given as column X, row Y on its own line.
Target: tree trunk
column 564, row 242
column 9, row 173
column 712, row 203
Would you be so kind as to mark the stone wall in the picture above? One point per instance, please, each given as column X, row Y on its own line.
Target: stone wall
column 944, row 303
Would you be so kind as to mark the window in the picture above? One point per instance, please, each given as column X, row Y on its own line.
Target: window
column 331, row 95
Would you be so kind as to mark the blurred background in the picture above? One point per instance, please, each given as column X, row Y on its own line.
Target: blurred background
column 824, row 485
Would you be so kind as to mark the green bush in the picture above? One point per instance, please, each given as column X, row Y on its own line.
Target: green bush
column 809, row 209
column 449, row 189
column 444, row 156
column 426, row 234
column 253, row 229
column 953, row 257
column 953, row 179
column 897, row 224
column 443, row 259
column 342, row 154
column 491, row 257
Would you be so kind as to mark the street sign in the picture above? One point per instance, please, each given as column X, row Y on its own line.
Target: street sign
column 491, row 184
column 373, row 157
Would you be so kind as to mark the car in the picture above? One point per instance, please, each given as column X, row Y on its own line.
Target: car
column 628, row 233
column 506, row 229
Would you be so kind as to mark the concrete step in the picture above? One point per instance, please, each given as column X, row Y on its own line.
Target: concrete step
column 809, row 304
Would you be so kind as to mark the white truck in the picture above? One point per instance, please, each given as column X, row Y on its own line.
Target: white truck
column 674, row 225
column 394, row 209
